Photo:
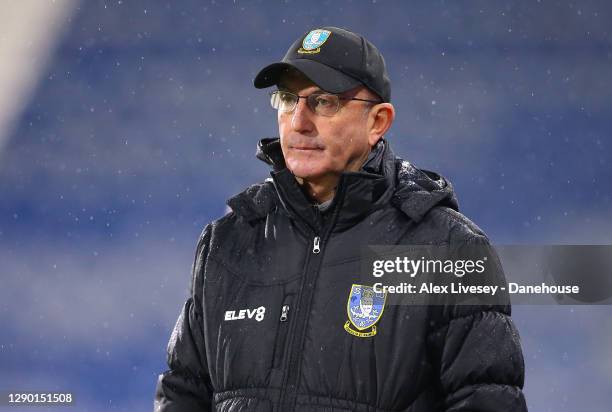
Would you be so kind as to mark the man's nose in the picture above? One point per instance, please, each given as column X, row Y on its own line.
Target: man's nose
column 302, row 118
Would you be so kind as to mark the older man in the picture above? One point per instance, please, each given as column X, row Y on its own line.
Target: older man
column 267, row 326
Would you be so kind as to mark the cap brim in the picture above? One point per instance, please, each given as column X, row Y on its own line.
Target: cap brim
column 328, row 79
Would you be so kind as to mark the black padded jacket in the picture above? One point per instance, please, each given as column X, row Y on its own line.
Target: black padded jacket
column 263, row 327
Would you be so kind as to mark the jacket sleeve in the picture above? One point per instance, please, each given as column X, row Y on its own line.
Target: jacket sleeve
column 186, row 386
column 477, row 351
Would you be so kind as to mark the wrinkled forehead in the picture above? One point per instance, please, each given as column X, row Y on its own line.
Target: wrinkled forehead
column 296, row 82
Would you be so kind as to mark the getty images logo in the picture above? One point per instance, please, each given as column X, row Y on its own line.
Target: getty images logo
column 257, row 313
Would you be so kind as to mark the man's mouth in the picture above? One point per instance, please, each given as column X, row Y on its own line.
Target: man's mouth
column 306, row 146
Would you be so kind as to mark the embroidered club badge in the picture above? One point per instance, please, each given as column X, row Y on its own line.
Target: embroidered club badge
column 313, row 41
column 364, row 309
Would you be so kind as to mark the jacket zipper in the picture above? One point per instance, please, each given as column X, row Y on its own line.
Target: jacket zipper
column 297, row 324
column 301, row 311
column 284, row 313
column 281, row 334
column 316, row 248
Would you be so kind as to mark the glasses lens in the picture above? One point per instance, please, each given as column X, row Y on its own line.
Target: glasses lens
column 283, row 101
column 324, row 104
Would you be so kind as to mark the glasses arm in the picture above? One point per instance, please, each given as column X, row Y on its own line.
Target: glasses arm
column 361, row 100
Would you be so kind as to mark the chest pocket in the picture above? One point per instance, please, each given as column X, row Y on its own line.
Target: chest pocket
column 263, row 256
column 247, row 331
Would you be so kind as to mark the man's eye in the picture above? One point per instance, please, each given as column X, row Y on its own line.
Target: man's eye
column 324, row 101
column 286, row 97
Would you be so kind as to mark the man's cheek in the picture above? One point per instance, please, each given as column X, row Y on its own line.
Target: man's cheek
column 336, row 149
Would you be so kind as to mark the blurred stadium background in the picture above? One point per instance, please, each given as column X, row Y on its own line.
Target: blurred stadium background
column 124, row 126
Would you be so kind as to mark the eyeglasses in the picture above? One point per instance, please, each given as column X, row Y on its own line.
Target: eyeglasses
column 323, row 104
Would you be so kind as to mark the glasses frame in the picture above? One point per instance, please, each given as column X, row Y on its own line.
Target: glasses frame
column 310, row 101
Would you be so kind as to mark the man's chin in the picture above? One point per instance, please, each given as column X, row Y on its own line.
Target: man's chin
column 306, row 171
column 304, row 175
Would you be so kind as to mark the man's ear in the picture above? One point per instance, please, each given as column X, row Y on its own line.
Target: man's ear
column 380, row 118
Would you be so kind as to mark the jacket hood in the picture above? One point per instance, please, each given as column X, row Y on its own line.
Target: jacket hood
column 383, row 178
column 420, row 190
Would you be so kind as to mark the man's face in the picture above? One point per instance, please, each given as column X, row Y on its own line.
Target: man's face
column 316, row 146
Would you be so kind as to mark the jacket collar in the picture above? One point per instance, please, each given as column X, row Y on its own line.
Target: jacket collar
column 383, row 179
column 357, row 193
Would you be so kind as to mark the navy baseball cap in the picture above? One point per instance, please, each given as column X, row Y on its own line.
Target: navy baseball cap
column 334, row 59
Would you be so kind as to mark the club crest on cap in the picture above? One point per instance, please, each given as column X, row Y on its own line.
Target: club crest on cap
column 313, row 41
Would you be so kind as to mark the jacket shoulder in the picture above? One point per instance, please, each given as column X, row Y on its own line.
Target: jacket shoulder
column 248, row 209
column 458, row 226
column 253, row 203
